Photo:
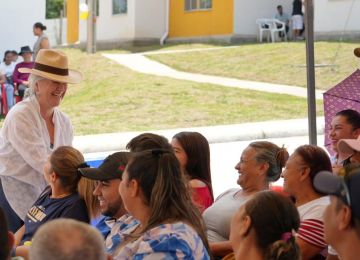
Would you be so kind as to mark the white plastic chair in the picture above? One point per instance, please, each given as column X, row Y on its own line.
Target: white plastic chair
column 263, row 26
column 276, row 26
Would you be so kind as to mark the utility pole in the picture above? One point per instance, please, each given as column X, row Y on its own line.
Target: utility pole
column 310, row 69
column 91, row 27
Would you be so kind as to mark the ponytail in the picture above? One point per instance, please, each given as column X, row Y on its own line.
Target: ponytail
column 283, row 249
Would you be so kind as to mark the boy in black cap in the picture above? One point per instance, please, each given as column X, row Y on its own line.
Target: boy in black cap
column 108, row 176
column 342, row 216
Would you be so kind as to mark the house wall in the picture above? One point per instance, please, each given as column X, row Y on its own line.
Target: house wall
column 17, row 22
column 217, row 21
column 150, row 20
column 111, row 27
column 247, row 11
column 326, row 21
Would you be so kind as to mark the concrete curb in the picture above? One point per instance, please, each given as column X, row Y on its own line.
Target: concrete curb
column 214, row 134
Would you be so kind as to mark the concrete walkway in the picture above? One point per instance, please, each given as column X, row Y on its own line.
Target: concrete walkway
column 214, row 134
column 140, row 63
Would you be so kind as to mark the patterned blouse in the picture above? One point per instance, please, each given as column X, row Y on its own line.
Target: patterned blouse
column 167, row 241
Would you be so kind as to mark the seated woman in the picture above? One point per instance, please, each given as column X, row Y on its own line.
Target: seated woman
column 67, row 196
column 260, row 163
column 344, row 125
column 154, row 191
column 7, row 68
column 22, row 79
column 263, row 228
column 299, row 172
column 193, row 152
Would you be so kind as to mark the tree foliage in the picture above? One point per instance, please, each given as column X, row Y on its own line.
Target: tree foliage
column 53, row 8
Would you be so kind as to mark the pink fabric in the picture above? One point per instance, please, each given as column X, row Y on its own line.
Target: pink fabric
column 202, row 198
column 19, row 77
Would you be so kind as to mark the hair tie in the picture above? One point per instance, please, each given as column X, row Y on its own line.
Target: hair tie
column 286, row 236
column 83, row 165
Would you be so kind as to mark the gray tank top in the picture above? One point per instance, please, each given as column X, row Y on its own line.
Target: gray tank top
column 37, row 44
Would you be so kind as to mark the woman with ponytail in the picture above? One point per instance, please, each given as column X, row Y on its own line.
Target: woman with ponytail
column 264, row 228
column 67, row 196
column 154, row 191
column 260, row 164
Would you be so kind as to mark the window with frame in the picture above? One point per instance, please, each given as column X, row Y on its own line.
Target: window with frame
column 119, row 6
column 191, row 5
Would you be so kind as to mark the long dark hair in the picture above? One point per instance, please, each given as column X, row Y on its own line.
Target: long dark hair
column 165, row 190
column 274, row 219
column 197, row 150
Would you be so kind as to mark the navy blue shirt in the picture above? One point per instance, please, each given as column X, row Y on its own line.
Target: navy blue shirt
column 46, row 208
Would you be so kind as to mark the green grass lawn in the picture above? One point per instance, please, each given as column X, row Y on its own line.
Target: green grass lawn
column 282, row 63
column 113, row 98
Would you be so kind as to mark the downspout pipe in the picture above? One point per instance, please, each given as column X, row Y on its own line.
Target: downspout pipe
column 167, row 13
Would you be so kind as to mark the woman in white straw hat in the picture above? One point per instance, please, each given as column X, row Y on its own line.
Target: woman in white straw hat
column 31, row 130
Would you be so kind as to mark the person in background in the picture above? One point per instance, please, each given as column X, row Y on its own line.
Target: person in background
column 260, row 164
column 301, row 168
column 342, row 216
column 344, row 125
column 264, row 228
column 147, row 141
column 193, row 152
column 15, row 56
column 297, row 19
column 282, row 17
column 154, row 191
column 31, row 130
column 67, row 239
column 42, row 40
column 22, row 79
column 7, row 68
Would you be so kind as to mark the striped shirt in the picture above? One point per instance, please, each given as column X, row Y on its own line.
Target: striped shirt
column 311, row 222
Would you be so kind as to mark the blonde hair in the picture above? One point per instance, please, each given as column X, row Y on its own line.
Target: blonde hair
column 65, row 161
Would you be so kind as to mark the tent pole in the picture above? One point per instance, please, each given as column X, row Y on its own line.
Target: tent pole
column 310, row 68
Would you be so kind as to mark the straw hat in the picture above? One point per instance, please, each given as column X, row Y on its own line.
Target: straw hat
column 53, row 64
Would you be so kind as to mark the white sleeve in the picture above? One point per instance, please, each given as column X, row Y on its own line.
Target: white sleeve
column 23, row 133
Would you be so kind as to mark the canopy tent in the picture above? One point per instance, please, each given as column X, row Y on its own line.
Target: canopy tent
column 345, row 95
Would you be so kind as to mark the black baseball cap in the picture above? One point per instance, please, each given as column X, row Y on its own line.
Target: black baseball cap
column 112, row 168
column 345, row 188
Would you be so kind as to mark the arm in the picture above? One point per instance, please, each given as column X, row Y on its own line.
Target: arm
column 19, row 235
column 221, row 248
column 2, row 78
column 44, row 44
column 16, row 75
